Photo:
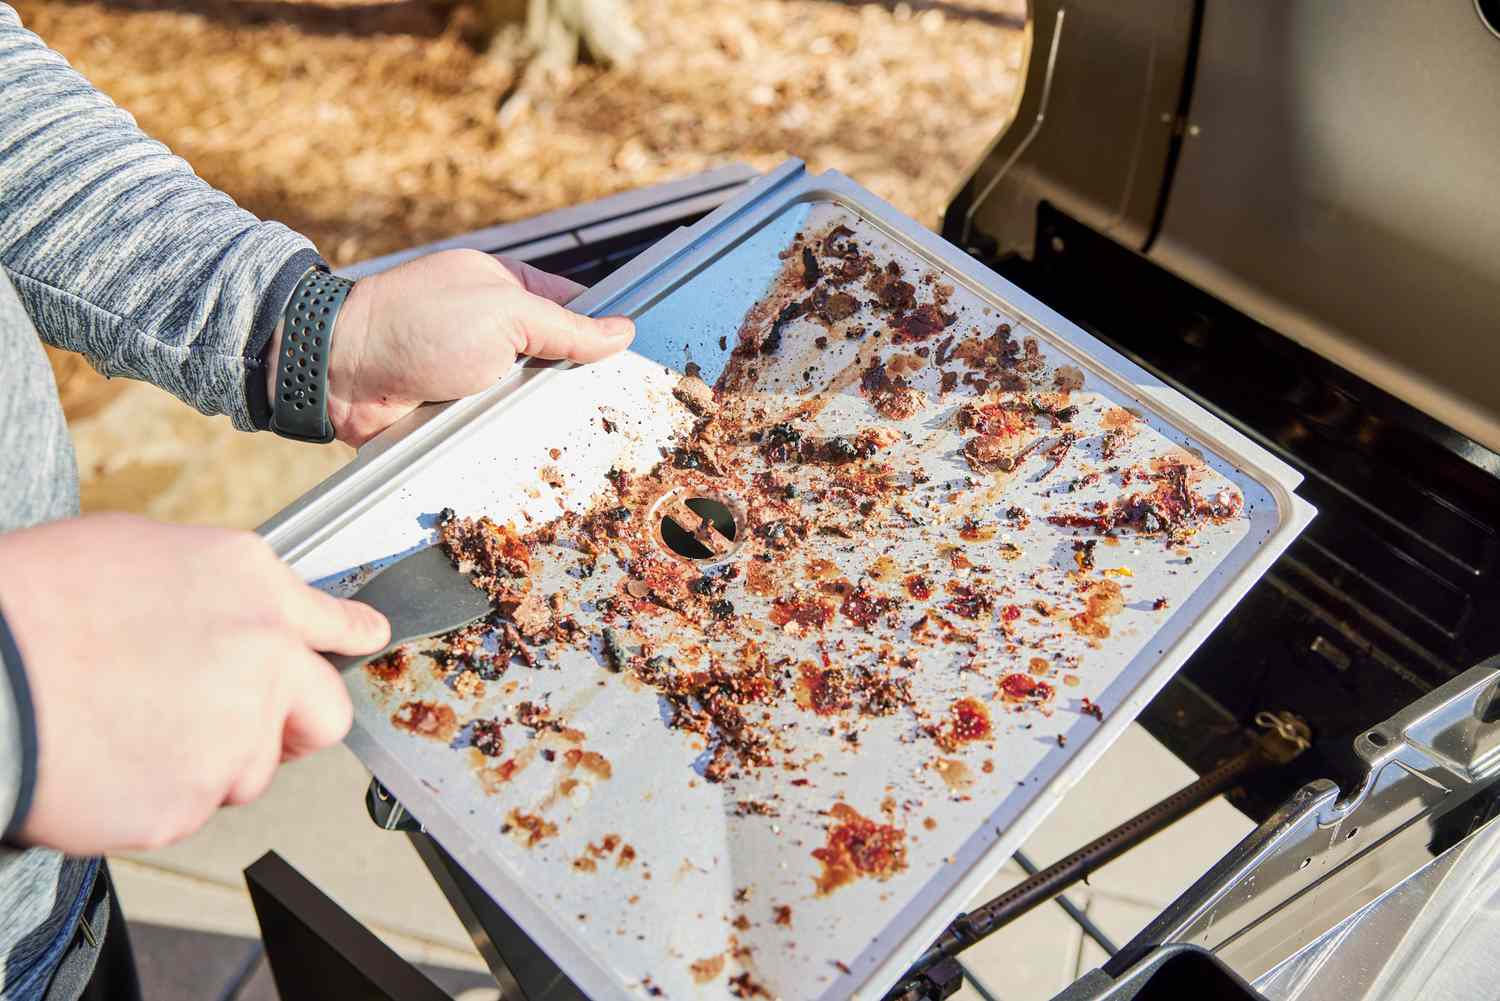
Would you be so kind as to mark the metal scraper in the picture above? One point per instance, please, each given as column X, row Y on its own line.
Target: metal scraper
column 421, row 594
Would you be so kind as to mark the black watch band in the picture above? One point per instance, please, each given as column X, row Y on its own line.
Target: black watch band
column 299, row 407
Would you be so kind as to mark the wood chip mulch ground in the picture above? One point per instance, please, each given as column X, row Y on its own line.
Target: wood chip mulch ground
column 376, row 126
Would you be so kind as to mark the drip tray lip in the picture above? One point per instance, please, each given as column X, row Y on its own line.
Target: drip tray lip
column 685, row 294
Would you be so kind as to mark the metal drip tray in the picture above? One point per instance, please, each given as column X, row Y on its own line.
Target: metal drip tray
column 696, row 913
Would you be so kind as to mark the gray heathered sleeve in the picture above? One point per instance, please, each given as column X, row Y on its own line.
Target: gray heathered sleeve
column 120, row 252
column 17, row 736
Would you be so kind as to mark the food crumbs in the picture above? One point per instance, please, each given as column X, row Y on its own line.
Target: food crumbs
column 528, row 828
column 745, row 986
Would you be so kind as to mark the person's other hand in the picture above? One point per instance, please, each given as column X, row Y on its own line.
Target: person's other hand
column 172, row 669
column 448, row 325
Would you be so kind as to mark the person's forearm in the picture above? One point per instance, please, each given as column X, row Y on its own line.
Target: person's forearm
column 119, row 251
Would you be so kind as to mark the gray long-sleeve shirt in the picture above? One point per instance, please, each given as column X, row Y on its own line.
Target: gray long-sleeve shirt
column 110, row 246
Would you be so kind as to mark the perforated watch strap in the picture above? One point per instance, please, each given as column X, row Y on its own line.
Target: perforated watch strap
column 299, row 407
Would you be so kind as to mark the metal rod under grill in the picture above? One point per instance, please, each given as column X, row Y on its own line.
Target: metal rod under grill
column 1044, row 885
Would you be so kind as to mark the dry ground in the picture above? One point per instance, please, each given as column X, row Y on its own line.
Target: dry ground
column 373, row 126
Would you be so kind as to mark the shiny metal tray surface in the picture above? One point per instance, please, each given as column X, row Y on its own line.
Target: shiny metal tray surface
column 695, row 908
column 1337, row 892
column 1431, row 936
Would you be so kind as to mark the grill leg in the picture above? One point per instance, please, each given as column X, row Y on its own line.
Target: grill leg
column 523, row 971
column 317, row 950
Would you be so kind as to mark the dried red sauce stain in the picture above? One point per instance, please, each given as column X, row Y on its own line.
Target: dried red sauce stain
column 809, row 612
column 1068, row 378
column 826, row 691
column 956, row 558
column 968, row 720
column 971, row 720
column 782, row 915
column 954, row 773
column 822, row 569
column 590, row 761
column 742, row 985
column 994, row 454
column 760, row 579
column 392, row 668
column 972, row 531
column 891, row 396
column 994, row 420
column 426, row 719
column 707, row 969
column 493, row 779
column 857, row 847
column 919, row 587
column 863, row 608
column 605, row 847
column 1025, row 688
column 1104, row 600
column 922, row 322
column 882, row 569
column 968, row 601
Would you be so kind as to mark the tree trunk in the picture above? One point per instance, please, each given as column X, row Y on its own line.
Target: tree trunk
column 559, row 32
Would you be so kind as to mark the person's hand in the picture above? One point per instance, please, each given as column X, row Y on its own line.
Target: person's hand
column 445, row 326
column 172, row 669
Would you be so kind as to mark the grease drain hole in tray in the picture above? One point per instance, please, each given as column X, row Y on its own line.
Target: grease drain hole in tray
column 697, row 527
